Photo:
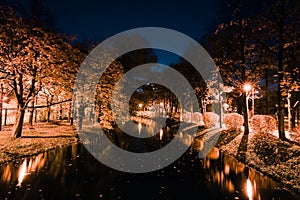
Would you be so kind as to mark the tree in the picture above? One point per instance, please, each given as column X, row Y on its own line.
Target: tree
column 28, row 56
column 235, row 55
column 104, row 94
column 277, row 33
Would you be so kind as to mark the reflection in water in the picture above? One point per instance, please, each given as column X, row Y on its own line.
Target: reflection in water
column 29, row 165
column 140, row 127
column 72, row 172
column 22, row 172
column 184, row 138
column 34, row 164
column 232, row 177
column 161, row 132
column 214, row 154
column 226, row 169
column 249, row 189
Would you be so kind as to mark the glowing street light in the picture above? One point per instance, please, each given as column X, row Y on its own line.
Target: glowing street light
column 247, row 87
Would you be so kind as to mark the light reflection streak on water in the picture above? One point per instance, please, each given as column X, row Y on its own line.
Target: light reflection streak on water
column 140, row 127
column 22, row 172
column 249, row 189
column 32, row 165
column 224, row 177
column 161, row 132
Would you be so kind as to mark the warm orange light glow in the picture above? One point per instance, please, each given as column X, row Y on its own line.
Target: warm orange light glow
column 7, row 174
column 140, row 105
column 140, row 127
column 230, row 186
column 162, row 104
column 22, row 173
column 249, row 189
column 187, row 140
column 213, row 154
column 34, row 164
column 247, row 87
column 161, row 132
column 227, row 169
column 199, row 144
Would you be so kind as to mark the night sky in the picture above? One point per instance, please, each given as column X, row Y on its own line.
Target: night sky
column 96, row 19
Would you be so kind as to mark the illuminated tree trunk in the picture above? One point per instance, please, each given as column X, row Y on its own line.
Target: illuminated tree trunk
column 246, row 115
column 60, row 112
column 31, row 111
column 280, row 72
column 48, row 113
column 19, row 123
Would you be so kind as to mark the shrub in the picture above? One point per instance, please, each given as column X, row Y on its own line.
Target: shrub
column 210, row 119
column 233, row 121
column 186, row 117
column 197, row 118
column 263, row 124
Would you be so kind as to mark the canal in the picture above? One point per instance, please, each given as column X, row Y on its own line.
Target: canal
column 72, row 172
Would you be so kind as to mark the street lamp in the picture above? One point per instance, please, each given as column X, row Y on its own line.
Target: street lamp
column 140, row 105
column 141, row 114
column 247, row 88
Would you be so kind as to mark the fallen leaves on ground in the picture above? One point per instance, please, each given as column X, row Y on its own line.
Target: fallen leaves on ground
column 35, row 139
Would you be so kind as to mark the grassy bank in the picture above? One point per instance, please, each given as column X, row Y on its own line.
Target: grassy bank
column 35, row 139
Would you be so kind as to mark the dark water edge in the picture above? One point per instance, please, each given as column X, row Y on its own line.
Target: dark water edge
column 71, row 172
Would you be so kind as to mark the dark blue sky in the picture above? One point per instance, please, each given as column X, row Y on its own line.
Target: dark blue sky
column 96, row 18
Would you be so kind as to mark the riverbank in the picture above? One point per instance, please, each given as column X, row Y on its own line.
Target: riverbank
column 266, row 153
column 35, row 139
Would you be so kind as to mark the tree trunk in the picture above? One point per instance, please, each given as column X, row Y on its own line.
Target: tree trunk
column 35, row 110
column 60, row 112
column 267, row 94
column 17, row 131
column 48, row 113
column 281, row 120
column 298, row 116
column 31, row 113
column 246, row 117
column 280, row 72
column 35, row 115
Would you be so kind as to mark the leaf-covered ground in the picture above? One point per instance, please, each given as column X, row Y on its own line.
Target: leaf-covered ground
column 268, row 154
column 35, row 139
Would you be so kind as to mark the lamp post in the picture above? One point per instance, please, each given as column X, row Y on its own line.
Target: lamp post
column 247, row 88
column 140, row 106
